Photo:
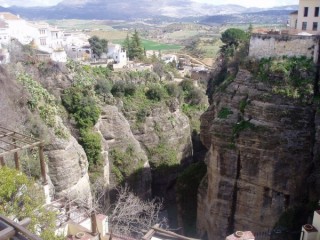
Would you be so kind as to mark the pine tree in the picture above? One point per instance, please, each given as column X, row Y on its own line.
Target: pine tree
column 126, row 46
column 136, row 46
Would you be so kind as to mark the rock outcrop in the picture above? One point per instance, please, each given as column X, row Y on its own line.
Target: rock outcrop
column 260, row 149
column 117, row 137
column 170, row 127
column 68, row 169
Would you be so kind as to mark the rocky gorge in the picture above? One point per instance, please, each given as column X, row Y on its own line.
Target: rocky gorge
column 262, row 151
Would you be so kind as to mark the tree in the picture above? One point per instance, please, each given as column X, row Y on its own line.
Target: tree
column 126, row 45
column 232, row 38
column 103, row 88
column 20, row 198
column 159, row 69
column 130, row 214
column 98, row 45
column 136, row 49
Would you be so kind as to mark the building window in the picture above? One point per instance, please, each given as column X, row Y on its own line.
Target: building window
column 315, row 26
column 305, row 14
column 304, row 25
column 316, row 12
column 296, row 24
column 43, row 42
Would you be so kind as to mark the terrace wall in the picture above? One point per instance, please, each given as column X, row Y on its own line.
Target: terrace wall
column 272, row 45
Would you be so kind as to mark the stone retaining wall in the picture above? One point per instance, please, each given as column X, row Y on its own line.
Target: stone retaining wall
column 271, row 45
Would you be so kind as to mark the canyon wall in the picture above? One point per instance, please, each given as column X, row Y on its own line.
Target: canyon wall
column 260, row 150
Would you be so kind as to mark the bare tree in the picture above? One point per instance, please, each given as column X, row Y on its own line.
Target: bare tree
column 130, row 215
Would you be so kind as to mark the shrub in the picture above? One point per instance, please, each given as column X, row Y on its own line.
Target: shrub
column 130, row 89
column 21, row 198
column 91, row 143
column 224, row 113
column 194, row 97
column 163, row 156
column 103, row 88
column 82, row 105
column 173, row 90
column 187, row 85
column 118, row 89
column 155, row 92
column 121, row 88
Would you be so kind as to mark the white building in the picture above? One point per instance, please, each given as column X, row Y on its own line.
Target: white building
column 77, row 46
column 307, row 18
column 18, row 28
column 118, row 54
column 42, row 36
column 169, row 58
column 49, row 39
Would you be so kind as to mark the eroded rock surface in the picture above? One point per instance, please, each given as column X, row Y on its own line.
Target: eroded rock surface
column 259, row 154
column 116, row 134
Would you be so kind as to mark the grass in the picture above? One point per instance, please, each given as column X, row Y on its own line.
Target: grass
column 183, row 34
column 151, row 45
column 156, row 46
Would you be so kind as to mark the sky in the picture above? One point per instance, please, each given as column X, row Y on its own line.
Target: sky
column 245, row 3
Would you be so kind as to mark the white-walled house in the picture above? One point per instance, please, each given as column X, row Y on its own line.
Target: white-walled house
column 77, row 46
column 18, row 28
column 307, row 18
column 118, row 54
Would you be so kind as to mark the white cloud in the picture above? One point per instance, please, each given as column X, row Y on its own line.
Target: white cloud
column 253, row 3
column 245, row 3
column 29, row 3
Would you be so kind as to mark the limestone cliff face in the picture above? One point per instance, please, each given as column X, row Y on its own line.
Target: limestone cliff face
column 68, row 168
column 259, row 153
column 169, row 126
column 118, row 138
column 67, row 161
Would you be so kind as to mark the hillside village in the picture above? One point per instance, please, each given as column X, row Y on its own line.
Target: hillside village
column 301, row 38
column 50, row 42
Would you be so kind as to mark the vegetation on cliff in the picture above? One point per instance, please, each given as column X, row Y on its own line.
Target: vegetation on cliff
column 21, row 198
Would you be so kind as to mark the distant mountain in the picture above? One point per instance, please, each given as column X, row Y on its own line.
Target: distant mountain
column 260, row 17
column 128, row 9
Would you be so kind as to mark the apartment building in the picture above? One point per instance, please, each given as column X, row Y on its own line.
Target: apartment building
column 307, row 18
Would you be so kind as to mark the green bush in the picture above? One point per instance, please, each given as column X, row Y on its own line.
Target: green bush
column 173, row 90
column 123, row 164
column 224, row 113
column 91, row 143
column 130, row 89
column 103, row 88
column 163, row 156
column 155, row 92
column 194, row 97
column 121, row 88
column 187, row 85
column 21, row 198
column 118, row 89
column 80, row 102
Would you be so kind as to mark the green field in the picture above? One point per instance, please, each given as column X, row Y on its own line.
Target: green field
column 151, row 45
column 156, row 46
